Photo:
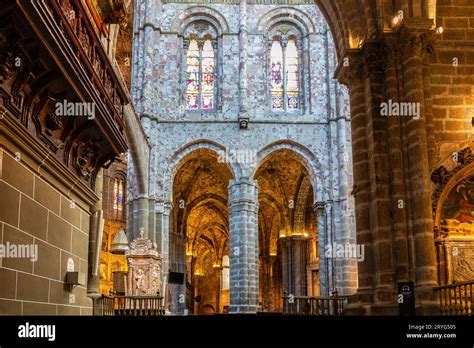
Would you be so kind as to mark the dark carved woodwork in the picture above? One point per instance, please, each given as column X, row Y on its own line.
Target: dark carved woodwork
column 441, row 175
column 50, row 53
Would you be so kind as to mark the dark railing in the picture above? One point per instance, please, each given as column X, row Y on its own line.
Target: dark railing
column 456, row 299
column 318, row 305
column 129, row 306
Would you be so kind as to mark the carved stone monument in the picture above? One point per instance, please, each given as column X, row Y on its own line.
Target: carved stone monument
column 144, row 266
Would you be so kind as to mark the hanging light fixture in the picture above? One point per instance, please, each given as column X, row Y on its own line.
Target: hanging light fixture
column 119, row 243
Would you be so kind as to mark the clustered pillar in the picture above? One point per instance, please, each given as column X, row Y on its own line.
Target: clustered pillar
column 243, row 237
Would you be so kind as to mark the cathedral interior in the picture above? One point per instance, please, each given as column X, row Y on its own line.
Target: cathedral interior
column 200, row 157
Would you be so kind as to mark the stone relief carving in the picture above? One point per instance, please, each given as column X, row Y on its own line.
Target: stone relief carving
column 144, row 268
column 463, row 264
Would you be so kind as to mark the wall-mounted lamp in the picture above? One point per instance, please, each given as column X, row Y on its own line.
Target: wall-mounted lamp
column 74, row 279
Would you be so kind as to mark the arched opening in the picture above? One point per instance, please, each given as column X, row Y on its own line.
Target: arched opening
column 199, row 236
column 288, row 247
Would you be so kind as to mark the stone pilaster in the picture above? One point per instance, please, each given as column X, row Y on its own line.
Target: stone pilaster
column 320, row 209
column 243, row 58
column 145, row 59
column 162, row 232
column 350, row 72
column 243, row 242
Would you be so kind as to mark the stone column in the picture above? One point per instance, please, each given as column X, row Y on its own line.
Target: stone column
column 399, row 201
column 418, row 165
column 243, row 243
column 352, row 77
column 95, row 241
column 378, row 172
column 218, row 270
column 320, row 209
column 162, row 224
column 296, row 249
column 344, row 232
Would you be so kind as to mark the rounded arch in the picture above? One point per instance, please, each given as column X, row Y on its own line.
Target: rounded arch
column 304, row 155
column 179, row 158
column 199, row 13
column 285, row 14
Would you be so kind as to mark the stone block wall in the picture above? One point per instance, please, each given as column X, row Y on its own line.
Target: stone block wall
column 36, row 210
column 452, row 76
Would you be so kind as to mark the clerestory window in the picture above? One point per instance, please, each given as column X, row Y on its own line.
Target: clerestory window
column 284, row 75
column 200, row 74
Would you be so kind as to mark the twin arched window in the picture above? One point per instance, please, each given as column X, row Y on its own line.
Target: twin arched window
column 284, row 76
column 284, row 72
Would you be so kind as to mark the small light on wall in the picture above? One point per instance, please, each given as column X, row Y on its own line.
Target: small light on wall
column 397, row 19
column 439, row 30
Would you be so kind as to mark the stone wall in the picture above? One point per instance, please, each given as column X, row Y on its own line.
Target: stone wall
column 39, row 209
column 452, row 77
column 319, row 133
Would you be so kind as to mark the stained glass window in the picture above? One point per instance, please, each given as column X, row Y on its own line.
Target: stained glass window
column 115, row 194
column 292, row 88
column 200, row 75
column 193, row 66
column 284, row 63
column 207, row 83
column 118, row 195
column 277, row 75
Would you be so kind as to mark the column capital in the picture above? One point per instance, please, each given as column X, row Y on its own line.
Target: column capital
column 319, row 208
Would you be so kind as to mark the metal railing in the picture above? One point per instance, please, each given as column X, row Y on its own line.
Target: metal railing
column 314, row 305
column 456, row 299
column 129, row 306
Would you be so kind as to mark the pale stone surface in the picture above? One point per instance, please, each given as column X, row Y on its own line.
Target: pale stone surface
column 319, row 132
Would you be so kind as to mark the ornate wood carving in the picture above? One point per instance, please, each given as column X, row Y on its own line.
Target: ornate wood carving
column 32, row 82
